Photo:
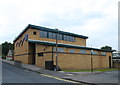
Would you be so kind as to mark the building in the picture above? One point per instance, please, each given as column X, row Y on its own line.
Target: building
column 116, row 59
column 9, row 55
column 0, row 51
column 36, row 45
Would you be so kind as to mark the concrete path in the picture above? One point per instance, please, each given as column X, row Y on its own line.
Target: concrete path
column 105, row 77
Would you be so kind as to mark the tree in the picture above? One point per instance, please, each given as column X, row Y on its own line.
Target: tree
column 106, row 47
column 6, row 47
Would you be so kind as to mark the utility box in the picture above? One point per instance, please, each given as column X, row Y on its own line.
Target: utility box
column 49, row 65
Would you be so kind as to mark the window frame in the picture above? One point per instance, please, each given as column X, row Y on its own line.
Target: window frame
column 44, row 34
column 72, row 51
column 83, row 51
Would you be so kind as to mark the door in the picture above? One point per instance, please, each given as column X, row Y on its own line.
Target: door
column 34, row 54
column 32, row 51
column 109, row 61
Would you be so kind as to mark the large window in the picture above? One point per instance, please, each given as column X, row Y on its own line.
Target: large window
column 72, row 39
column 69, row 38
column 83, row 51
column 65, row 37
column 52, row 35
column 103, row 53
column 60, row 37
column 94, row 53
column 43, row 34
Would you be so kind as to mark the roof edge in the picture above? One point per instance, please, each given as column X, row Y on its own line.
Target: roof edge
column 53, row 30
column 21, row 32
column 66, row 45
column 45, row 28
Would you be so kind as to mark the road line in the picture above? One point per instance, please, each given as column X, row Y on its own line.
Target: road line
column 46, row 75
column 60, row 79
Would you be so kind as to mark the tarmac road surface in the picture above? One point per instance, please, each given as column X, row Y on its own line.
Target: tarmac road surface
column 12, row 74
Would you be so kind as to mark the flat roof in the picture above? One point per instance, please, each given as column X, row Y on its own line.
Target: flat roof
column 66, row 45
column 49, row 30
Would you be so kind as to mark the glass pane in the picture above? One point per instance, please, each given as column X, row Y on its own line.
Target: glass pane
column 65, row 37
column 72, row 51
column 103, row 53
column 43, row 34
column 94, row 52
column 54, row 36
column 60, row 36
column 68, row 38
column 83, row 51
column 58, row 49
column 50, row 35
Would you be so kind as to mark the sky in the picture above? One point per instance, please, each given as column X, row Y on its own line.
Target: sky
column 97, row 19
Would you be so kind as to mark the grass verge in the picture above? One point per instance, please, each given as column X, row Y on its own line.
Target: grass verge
column 100, row 70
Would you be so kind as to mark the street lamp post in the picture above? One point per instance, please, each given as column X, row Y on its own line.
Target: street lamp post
column 91, row 61
column 56, row 49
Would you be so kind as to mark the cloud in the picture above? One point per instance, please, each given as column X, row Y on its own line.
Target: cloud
column 94, row 18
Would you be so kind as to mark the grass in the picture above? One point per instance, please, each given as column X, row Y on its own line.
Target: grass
column 100, row 70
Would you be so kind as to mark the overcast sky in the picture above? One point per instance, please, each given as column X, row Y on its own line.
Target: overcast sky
column 97, row 19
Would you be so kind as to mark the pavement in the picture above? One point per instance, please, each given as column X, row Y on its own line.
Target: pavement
column 99, row 78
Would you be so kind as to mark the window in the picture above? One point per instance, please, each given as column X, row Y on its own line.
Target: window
column 34, row 33
column 103, row 53
column 17, row 44
column 26, row 37
column 68, row 38
column 94, row 53
column 72, row 39
column 54, row 35
column 72, row 51
column 83, row 51
column 40, row 54
column 58, row 49
column 50, row 35
column 43, row 34
column 60, row 37
column 65, row 37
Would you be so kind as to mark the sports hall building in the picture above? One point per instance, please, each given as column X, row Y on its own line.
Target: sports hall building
column 37, row 45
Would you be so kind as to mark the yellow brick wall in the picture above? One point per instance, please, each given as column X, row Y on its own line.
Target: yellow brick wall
column 72, row 61
column 77, row 61
column 40, row 60
column 21, row 50
column 23, row 58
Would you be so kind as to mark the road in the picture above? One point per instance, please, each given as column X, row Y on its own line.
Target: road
column 12, row 74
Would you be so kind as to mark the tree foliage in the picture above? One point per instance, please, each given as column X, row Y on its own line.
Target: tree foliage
column 6, row 46
column 106, row 47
